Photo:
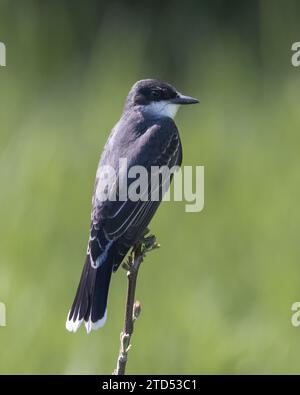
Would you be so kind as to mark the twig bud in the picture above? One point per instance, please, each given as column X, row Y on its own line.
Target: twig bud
column 137, row 308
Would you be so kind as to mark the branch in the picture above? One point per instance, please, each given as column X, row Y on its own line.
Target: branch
column 133, row 309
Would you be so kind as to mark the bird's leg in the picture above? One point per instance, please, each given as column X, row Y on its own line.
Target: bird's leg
column 142, row 246
column 148, row 243
column 126, row 265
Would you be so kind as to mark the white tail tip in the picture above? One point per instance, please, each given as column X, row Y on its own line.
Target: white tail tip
column 72, row 326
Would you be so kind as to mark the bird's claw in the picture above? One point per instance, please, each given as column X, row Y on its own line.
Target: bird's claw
column 143, row 246
column 148, row 244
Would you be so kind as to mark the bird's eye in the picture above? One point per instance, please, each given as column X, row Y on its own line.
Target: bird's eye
column 155, row 94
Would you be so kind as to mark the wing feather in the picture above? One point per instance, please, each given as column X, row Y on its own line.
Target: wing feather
column 124, row 221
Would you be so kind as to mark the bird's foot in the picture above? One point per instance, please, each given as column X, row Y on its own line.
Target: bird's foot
column 149, row 243
column 141, row 248
column 146, row 243
column 127, row 264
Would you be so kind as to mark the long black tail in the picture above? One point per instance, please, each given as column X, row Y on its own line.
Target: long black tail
column 91, row 297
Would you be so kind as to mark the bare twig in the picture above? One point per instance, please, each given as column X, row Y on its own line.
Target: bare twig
column 133, row 308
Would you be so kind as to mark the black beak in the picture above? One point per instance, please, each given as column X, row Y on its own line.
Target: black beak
column 182, row 99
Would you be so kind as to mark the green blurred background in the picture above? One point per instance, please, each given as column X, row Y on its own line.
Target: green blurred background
column 217, row 296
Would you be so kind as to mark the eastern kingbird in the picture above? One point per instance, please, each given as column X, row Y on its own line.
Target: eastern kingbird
column 146, row 135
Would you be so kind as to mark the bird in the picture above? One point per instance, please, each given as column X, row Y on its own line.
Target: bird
column 146, row 135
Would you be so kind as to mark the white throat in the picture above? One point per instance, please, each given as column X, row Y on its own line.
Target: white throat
column 162, row 108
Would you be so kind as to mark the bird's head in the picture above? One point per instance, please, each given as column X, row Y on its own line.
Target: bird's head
column 156, row 98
